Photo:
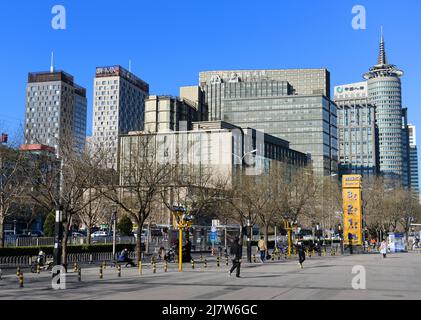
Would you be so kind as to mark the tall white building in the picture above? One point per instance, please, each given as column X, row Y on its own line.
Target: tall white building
column 119, row 107
column 55, row 110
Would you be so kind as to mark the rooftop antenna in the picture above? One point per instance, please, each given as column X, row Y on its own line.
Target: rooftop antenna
column 52, row 62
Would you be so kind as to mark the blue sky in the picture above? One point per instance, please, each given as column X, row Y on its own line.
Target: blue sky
column 170, row 42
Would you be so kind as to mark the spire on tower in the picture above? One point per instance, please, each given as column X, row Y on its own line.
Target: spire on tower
column 382, row 54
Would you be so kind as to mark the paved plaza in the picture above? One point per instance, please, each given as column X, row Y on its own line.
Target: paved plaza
column 397, row 277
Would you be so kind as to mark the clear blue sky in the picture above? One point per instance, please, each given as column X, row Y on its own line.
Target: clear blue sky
column 170, row 42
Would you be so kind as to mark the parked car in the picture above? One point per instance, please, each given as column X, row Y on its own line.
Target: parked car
column 99, row 234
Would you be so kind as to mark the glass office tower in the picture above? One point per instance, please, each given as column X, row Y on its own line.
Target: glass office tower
column 290, row 104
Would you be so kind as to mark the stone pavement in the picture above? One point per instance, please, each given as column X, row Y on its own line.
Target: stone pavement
column 397, row 277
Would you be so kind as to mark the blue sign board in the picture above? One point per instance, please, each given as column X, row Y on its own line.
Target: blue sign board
column 213, row 236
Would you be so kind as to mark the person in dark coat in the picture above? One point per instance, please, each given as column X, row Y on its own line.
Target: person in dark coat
column 301, row 253
column 237, row 252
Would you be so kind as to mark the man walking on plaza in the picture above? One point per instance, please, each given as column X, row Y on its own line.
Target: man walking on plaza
column 383, row 248
column 237, row 253
column 262, row 248
column 301, row 253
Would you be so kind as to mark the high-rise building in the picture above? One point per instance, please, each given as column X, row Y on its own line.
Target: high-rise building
column 55, row 110
column 385, row 93
column 413, row 160
column 119, row 105
column 293, row 105
column 357, row 130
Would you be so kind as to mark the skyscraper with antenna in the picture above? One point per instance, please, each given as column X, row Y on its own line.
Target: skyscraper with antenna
column 385, row 93
column 56, row 109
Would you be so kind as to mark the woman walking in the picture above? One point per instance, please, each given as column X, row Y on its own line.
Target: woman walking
column 383, row 249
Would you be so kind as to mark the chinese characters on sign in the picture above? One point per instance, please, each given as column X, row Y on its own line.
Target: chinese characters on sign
column 353, row 218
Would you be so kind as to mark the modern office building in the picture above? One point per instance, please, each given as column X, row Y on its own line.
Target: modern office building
column 119, row 105
column 167, row 113
column 55, row 110
column 385, row 93
column 293, row 105
column 413, row 160
column 214, row 149
column 357, row 130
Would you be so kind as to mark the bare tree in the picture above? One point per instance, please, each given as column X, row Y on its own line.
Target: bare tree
column 11, row 184
column 63, row 182
column 137, row 189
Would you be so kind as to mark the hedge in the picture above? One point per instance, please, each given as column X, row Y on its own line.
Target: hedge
column 33, row 251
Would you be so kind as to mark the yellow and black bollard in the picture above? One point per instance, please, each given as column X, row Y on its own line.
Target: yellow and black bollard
column 104, row 265
column 254, row 258
column 192, row 264
column 201, row 258
column 154, row 267
column 18, row 272
column 226, row 261
column 79, row 274
column 273, row 256
column 119, row 271
column 101, row 272
column 218, row 262
column 20, row 280
column 166, row 267
column 38, row 268
column 205, row 264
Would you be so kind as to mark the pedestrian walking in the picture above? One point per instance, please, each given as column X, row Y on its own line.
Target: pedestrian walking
column 301, row 253
column 383, row 249
column 237, row 253
column 262, row 249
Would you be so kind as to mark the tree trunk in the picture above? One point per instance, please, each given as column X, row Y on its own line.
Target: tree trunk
column 266, row 234
column 88, row 234
column 139, row 242
column 2, row 232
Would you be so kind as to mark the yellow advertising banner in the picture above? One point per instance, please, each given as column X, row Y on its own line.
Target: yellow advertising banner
column 353, row 215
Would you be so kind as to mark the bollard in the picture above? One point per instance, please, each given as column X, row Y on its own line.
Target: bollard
column 205, row 265
column 254, row 258
column 119, row 271
column 166, row 267
column 154, row 267
column 38, row 268
column 226, row 261
column 104, row 265
column 18, row 272
column 192, row 264
column 75, row 267
column 273, row 256
column 314, row 253
column 21, row 280
column 101, row 272
column 218, row 262
column 201, row 258
column 79, row 274
column 140, row 268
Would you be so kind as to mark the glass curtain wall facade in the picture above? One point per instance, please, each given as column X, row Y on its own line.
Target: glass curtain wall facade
column 290, row 104
column 358, row 136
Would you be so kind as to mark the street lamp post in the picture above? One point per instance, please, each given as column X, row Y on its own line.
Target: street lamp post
column 249, row 236
column 114, row 221
column 58, row 235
